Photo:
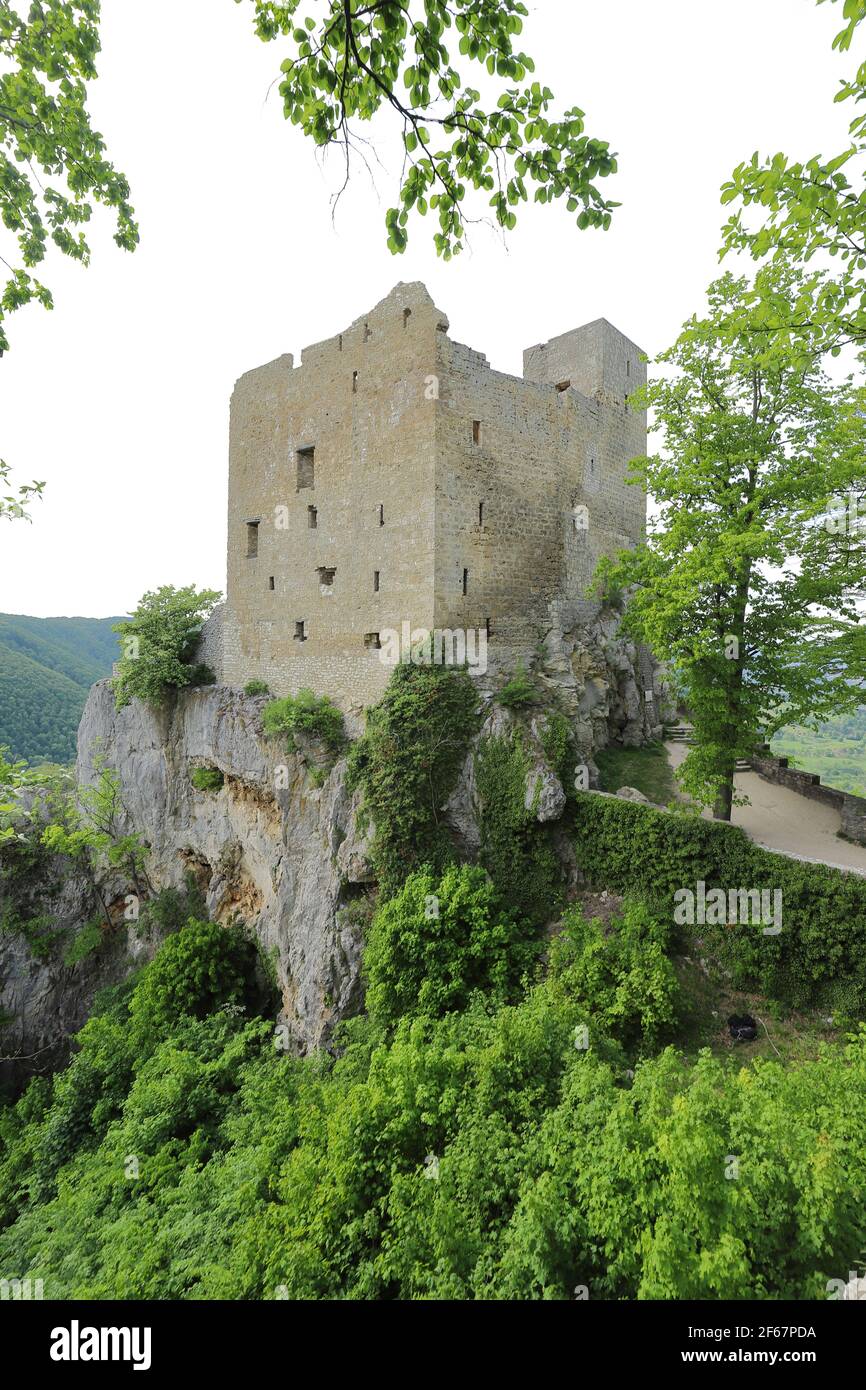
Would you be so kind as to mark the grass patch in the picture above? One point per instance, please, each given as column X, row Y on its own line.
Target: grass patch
column 707, row 1000
column 647, row 769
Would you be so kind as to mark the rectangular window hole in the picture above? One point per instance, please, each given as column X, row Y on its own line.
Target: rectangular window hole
column 306, row 463
column 371, row 640
column 300, row 630
column 563, row 385
column 252, row 539
column 326, row 576
column 312, row 518
column 465, row 581
column 476, row 431
column 375, row 581
column 271, row 582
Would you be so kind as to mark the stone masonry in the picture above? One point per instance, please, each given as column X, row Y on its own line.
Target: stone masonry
column 393, row 477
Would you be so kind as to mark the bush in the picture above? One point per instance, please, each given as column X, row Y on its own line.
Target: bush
column 158, row 644
column 206, row 779
column 169, row 909
column 306, row 713
column 515, row 849
column 195, row 971
column 407, row 764
column 38, row 931
column 256, row 688
column 518, row 691
column 440, row 939
column 619, row 972
column 819, row 957
column 87, row 940
column 558, row 745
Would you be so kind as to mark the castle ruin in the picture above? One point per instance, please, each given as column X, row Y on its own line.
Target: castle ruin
column 393, row 478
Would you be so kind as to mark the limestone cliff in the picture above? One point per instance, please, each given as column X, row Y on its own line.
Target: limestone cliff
column 278, row 845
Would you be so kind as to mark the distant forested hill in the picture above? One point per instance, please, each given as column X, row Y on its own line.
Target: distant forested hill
column 47, row 666
column 836, row 750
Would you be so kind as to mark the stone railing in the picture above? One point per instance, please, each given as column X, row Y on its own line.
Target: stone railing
column 852, row 809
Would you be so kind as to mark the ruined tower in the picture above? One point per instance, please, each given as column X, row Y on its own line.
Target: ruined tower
column 393, row 477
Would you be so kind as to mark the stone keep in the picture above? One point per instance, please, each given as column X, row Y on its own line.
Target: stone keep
column 393, row 477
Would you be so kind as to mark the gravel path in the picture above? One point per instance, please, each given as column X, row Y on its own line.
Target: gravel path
column 781, row 819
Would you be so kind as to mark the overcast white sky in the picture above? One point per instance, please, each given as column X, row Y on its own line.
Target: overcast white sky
column 119, row 397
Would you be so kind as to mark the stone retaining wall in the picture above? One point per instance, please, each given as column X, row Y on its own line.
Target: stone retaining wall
column 852, row 809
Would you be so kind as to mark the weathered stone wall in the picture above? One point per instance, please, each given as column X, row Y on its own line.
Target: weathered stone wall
column 209, row 649
column 531, row 485
column 358, row 402
column 445, row 495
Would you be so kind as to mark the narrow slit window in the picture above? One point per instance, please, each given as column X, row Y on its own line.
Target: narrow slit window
column 407, row 314
column 487, row 627
column 306, row 461
column 375, row 581
column 371, row 640
column 381, row 513
column 300, row 630
column 312, row 518
column 628, row 366
column 480, row 513
column 465, row 581
column 476, row 431
column 367, row 332
column 271, row 582
column 252, row 539
column 354, row 383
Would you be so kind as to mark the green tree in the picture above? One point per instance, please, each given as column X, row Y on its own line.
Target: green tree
column 813, row 208
column 740, row 582
column 348, row 60
column 437, row 941
column 158, row 644
column 91, row 830
column 53, row 166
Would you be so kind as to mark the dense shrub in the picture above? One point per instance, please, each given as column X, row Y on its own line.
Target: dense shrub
column 309, row 714
column 407, row 763
column 478, row 1155
column 515, row 849
column 619, row 972
column 440, row 939
column 819, row 957
column 196, row 970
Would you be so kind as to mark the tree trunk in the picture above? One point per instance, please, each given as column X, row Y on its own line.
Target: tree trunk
column 724, row 799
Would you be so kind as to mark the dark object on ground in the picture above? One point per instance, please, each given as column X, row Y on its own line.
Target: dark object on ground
column 743, row 1027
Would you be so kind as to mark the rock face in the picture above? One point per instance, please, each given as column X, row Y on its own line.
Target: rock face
column 278, row 845
column 611, row 689
column 269, row 847
column 45, row 1001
